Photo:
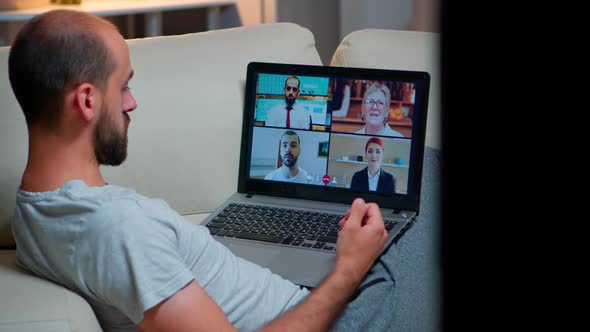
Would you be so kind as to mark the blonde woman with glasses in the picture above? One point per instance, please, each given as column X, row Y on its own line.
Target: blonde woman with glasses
column 375, row 111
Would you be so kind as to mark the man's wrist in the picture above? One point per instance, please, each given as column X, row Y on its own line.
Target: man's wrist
column 347, row 275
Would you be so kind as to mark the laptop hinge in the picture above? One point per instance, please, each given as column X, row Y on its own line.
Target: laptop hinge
column 396, row 211
column 250, row 194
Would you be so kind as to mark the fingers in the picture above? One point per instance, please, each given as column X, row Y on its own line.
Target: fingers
column 373, row 214
column 343, row 220
column 373, row 222
column 364, row 214
column 361, row 238
column 356, row 213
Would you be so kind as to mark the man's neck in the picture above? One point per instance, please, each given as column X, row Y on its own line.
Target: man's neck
column 51, row 163
column 290, row 172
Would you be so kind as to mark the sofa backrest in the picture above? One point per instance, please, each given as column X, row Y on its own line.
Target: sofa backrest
column 396, row 49
column 184, row 137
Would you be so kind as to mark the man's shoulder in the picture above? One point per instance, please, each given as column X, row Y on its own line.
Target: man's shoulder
column 300, row 109
column 74, row 197
column 102, row 206
column 127, row 208
column 271, row 175
column 299, row 106
column 280, row 105
column 301, row 176
column 116, row 200
column 277, row 107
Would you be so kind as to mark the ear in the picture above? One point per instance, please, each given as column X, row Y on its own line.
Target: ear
column 86, row 101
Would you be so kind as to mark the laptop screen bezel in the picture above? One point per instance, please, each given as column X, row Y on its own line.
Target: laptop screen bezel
column 409, row 201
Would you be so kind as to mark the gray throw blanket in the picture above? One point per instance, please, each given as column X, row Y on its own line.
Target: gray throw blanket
column 402, row 291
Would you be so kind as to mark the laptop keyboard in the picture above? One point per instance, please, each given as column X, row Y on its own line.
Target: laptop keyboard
column 289, row 227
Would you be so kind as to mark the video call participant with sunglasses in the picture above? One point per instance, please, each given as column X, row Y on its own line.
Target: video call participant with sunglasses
column 289, row 114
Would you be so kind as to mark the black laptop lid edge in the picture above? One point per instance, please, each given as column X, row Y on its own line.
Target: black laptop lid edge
column 409, row 201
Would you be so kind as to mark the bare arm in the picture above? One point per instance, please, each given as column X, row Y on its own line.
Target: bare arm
column 189, row 309
column 359, row 243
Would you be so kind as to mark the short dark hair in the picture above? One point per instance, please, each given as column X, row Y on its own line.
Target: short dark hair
column 291, row 133
column 53, row 53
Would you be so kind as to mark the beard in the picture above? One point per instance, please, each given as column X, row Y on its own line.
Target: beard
column 290, row 100
column 289, row 162
column 110, row 146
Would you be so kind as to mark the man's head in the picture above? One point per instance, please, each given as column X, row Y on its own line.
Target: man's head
column 290, row 148
column 69, row 72
column 291, row 90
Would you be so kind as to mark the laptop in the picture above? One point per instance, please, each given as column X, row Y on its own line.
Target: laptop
column 307, row 152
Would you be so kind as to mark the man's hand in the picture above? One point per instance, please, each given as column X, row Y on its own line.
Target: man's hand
column 360, row 240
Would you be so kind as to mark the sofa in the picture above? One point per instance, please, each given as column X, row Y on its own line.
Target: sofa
column 189, row 89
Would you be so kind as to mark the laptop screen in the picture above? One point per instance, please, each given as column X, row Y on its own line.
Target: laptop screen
column 334, row 133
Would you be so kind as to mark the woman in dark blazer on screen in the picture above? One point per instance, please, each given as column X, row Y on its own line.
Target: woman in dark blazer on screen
column 373, row 177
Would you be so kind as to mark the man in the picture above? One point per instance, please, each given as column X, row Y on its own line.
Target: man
column 290, row 147
column 289, row 114
column 137, row 262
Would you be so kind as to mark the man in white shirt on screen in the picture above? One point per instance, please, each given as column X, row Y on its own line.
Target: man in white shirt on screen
column 289, row 114
column 290, row 148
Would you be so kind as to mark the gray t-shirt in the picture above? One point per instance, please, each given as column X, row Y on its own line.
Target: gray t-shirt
column 125, row 253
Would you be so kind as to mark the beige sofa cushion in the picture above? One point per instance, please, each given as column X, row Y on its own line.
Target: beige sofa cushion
column 396, row 49
column 28, row 303
column 184, row 137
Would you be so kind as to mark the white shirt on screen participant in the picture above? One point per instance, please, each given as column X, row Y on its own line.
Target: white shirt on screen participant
column 277, row 117
column 277, row 175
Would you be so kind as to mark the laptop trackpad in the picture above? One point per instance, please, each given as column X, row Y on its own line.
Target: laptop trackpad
column 301, row 266
column 254, row 253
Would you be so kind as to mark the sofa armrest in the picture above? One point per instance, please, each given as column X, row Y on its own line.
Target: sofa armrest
column 29, row 303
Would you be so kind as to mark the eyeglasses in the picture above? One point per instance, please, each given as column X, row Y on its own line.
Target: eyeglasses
column 370, row 103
